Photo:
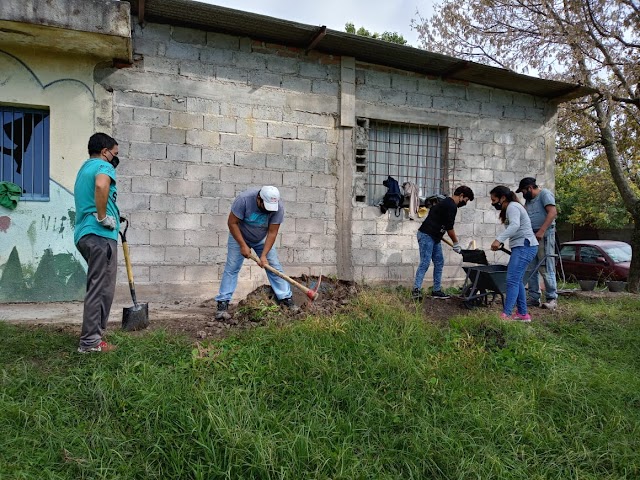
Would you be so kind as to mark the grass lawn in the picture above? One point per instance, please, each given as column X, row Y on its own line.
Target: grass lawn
column 376, row 392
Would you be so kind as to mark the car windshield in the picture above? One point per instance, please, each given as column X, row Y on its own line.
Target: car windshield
column 619, row 253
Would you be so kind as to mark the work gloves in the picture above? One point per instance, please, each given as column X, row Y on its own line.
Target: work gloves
column 107, row 222
column 457, row 248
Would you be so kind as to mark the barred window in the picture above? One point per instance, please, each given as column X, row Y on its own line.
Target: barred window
column 408, row 153
column 24, row 151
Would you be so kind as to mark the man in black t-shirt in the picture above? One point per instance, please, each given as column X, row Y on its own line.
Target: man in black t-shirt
column 440, row 220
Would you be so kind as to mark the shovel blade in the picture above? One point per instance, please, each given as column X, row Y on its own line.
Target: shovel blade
column 136, row 317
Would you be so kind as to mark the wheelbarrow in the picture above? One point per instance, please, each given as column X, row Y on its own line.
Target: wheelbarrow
column 484, row 283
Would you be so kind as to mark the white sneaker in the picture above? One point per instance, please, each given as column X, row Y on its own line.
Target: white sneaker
column 551, row 304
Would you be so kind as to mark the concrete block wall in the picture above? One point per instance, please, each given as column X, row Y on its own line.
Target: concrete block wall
column 495, row 137
column 203, row 116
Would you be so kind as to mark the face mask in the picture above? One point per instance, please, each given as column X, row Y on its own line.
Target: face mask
column 115, row 161
column 497, row 205
column 528, row 195
column 461, row 203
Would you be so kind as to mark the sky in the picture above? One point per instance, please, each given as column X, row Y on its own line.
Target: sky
column 375, row 15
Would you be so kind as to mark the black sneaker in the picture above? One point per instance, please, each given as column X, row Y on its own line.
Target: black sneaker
column 416, row 294
column 439, row 294
column 222, row 311
column 288, row 303
column 533, row 303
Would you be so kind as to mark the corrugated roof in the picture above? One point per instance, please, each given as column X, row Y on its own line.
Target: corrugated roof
column 275, row 30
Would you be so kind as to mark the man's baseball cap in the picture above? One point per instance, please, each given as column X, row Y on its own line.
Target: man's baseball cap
column 525, row 182
column 270, row 196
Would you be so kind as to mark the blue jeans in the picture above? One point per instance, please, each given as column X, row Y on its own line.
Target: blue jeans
column 280, row 287
column 547, row 269
column 429, row 250
column 520, row 258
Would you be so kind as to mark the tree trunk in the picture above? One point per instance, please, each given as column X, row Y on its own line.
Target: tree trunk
column 633, row 284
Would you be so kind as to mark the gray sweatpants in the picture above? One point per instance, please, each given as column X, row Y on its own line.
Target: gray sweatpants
column 101, row 255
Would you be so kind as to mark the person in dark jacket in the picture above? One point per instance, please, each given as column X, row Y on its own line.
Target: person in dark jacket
column 440, row 220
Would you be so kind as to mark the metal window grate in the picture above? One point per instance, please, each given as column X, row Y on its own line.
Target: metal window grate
column 24, row 151
column 409, row 153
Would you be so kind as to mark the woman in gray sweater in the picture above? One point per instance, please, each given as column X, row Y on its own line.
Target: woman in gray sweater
column 523, row 244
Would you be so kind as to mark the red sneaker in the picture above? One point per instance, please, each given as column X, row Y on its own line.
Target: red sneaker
column 101, row 347
column 505, row 317
column 522, row 318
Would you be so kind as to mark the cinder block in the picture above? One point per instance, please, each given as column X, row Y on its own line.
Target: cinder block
column 132, row 133
column 267, row 145
column 197, row 70
column 202, row 105
column 419, row 100
column 297, row 209
column 240, row 110
column 202, row 205
column 259, row 78
column 148, row 254
column 307, row 256
column 296, row 84
column 203, row 138
column 222, row 41
column 251, row 61
column 200, row 273
column 182, row 254
column 144, row 46
column 363, row 257
column 324, row 181
column 304, row 225
column 214, row 222
column 160, row 65
column 267, row 177
column 219, row 124
column 282, row 130
column 184, row 221
column 310, row 119
column 217, row 156
column 150, row 116
column 298, row 240
column 148, row 185
column 163, row 203
column 200, row 238
column 324, row 212
column 187, row 120
column 482, row 175
column 135, row 235
column 132, row 99
column 229, row 141
column 297, row 179
column 169, row 102
column 168, row 169
column 324, row 150
column 312, row 164
column 299, row 148
column 404, row 83
column 185, row 187
column 218, row 190
column 184, row 153
column 281, row 162
column 188, row 35
column 282, row 65
column 216, row 56
column 318, row 241
column 233, row 75
column 313, row 134
column 148, row 220
column 181, row 51
column 325, row 87
column 312, row 194
column 213, row 255
column 133, row 202
column 363, row 227
column 252, row 160
column 203, row 172
column 236, row 175
column 167, row 237
column 314, row 70
column 251, row 127
column 168, row 135
column 167, row 274
column 140, row 273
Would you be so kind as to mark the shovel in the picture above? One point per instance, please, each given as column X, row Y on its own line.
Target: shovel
column 136, row 317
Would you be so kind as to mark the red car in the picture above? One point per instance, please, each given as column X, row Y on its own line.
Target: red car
column 595, row 260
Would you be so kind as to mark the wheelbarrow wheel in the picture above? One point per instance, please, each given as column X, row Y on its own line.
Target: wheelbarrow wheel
column 468, row 295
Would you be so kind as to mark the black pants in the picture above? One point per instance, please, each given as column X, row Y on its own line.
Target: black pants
column 101, row 255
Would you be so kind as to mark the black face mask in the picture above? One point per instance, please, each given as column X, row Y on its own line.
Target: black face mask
column 461, row 203
column 115, row 161
column 497, row 205
column 528, row 195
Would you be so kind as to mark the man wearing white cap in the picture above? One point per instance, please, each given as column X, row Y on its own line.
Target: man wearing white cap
column 256, row 215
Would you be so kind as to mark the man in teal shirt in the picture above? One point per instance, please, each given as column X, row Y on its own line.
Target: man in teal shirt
column 96, row 237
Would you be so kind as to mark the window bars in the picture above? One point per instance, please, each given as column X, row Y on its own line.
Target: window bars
column 24, row 151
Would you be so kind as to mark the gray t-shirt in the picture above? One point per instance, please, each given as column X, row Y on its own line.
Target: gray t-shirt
column 518, row 227
column 254, row 223
column 536, row 208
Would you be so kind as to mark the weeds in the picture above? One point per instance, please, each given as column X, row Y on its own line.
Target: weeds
column 374, row 393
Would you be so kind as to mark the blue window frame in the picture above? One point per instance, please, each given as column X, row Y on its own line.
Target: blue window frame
column 24, row 150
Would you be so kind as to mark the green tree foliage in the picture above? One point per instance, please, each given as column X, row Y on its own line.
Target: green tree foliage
column 595, row 43
column 392, row 37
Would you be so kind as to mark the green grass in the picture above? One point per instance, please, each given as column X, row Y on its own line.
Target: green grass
column 376, row 393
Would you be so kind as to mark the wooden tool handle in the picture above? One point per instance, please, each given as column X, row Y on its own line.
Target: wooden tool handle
column 308, row 292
